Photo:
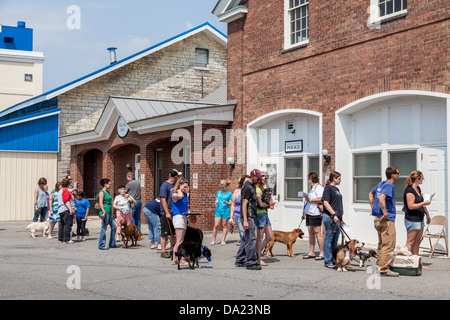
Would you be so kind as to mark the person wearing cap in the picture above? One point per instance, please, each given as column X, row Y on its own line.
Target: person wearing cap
column 246, row 255
column 167, row 229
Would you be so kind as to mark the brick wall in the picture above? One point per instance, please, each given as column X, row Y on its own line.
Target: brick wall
column 344, row 60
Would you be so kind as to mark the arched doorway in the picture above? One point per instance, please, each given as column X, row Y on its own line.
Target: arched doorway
column 92, row 172
column 287, row 144
column 406, row 129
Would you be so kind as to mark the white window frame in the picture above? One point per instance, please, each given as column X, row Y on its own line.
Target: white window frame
column 385, row 151
column 287, row 26
column 374, row 11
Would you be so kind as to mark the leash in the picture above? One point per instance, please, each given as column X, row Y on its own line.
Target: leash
column 300, row 223
column 345, row 233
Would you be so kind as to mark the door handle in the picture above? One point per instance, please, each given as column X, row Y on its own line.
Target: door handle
column 278, row 197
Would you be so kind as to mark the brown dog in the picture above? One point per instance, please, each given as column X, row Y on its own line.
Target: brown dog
column 287, row 238
column 129, row 232
column 344, row 253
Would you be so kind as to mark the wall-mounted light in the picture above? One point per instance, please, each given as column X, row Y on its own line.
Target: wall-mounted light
column 230, row 161
column 326, row 156
column 129, row 167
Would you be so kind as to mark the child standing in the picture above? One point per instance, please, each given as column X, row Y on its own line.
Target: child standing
column 82, row 213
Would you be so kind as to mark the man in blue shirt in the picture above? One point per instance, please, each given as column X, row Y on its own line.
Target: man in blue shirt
column 167, row 229
column 382, row 203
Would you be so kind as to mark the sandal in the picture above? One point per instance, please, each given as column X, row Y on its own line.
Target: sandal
column 308, row 256
column 319, row 258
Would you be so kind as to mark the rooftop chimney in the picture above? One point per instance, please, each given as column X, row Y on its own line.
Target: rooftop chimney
column 112, row 55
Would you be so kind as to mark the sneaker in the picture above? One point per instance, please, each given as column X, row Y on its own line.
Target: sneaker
column 389, row 274
column 69, row 242
column 240, row 264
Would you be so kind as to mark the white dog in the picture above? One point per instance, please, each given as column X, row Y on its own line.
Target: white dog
column 35, row 227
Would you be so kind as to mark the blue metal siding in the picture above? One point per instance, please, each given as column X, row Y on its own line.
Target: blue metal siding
column 16, row 38
column 40, row 135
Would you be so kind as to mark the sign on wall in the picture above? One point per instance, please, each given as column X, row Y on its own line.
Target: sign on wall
column 293, row 146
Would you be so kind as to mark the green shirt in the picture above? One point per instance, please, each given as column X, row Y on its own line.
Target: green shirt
column 260, row 210
column 107, row 202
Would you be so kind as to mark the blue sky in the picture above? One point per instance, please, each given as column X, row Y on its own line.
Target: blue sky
column 130, row 26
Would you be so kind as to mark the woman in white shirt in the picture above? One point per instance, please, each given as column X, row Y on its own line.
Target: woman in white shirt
column 312, row 211
column 122, row 205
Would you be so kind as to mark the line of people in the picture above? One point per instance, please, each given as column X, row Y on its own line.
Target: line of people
column 167, row 219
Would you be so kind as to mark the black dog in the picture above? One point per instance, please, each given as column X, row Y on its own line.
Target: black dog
column 193, row 235
column 191, row 248
column 189, row 251
column 266, row 196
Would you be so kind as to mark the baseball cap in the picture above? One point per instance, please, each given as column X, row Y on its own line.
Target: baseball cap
column 256, row 173
column 174, row 173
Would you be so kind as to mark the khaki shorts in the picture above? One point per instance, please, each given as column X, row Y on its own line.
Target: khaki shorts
column 179, row 221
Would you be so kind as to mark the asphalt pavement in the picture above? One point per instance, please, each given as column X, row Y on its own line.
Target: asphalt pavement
column 33, row 267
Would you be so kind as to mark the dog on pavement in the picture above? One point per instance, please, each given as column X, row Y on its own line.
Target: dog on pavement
column 362, row 257
column 190, row 252
column 196, row 235
column 344, row 253
column 288, row 238
column 129, row 232
column 35, row 227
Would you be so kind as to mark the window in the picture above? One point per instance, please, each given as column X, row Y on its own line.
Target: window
column 293, row 178
column 297, row 22
column 406, row 163
column 366, row 175
column 314, row 165
column 369, row 170
column 28, row 77
column 389, row 7
column 201, row 57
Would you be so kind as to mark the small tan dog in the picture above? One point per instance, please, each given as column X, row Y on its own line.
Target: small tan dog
column 35, row 227
column 288, row 238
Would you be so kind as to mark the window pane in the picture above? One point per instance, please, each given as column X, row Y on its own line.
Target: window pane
column 404, row 161
column 399, row 189
column 314, row 165
column 389, row 7
column 382, row 9
column 367, row 164
column 397, row 5
column 294, row 168
column 405, row 4
column 363, row 186
column 293, row 186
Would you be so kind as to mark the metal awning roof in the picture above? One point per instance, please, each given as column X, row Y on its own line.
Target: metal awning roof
column 153, row 115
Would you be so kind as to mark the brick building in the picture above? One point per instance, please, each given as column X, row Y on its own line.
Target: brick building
column 366, row 80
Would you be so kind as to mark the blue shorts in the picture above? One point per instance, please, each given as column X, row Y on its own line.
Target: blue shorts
column 263, row 220
column 223, row 214
column 411, row 225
